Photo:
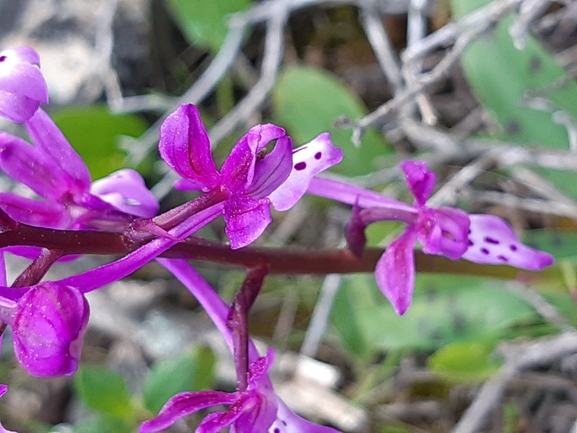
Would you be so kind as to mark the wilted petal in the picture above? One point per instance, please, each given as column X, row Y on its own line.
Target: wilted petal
column 308, row 160
column 22, row 85
column 48, row 328
column 246, row 218
column 184, row 146
column 35, row 212
column 355, row 233
column 49, row 140
column 238, row 169
column 126, row 191
column 289, row 422
column 185, row 404
column 271, row 171
column 420, row 180
column 492, row 241
column 395, row 271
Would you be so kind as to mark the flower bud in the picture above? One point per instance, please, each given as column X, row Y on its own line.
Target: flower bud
column 22, row 85
column 48, row 329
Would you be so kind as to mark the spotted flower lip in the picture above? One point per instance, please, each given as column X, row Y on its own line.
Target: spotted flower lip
column 252, row 177
column 54, row 171
column 444, row 231
column 22, row 85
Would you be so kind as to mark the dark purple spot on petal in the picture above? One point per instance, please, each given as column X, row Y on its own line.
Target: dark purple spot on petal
column 469, row 232
column 276, row 430
column 503, row 258
column 300, row 166
column 484, row 250
column 491, row 240
column 513, row 247
column 2, row 58
column 318, row 155
column 470, row 242
column 283, row 422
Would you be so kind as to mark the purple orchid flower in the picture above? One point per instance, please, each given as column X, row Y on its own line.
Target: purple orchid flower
column 443, row 231
column 250, row 411
column 48, row 324
column 251, row 178
column 22, row 85
column 54, row 171
column 254, row 410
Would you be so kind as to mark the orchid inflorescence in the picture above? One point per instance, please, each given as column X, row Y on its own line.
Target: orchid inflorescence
column 48, row 318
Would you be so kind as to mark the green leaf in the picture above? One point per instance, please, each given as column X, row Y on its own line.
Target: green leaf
column 464, row 362
column 94, row 131
column 560, row 244
column 190, row 371
column 502, row 75
column 445, row 308
column 205, row 22
column 307, row 101
column 103, row 390
column 347, row 308
column 104, row 424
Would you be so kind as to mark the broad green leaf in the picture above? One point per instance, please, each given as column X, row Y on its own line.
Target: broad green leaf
column 104, row 424
column 354, row 297
column 307, row 101
column 205, row 22
column 103, row 390
column 559, row 243
column 94, row 132
column 502, row 76
column 464, row 361
column 191, row 371
column 445, row 309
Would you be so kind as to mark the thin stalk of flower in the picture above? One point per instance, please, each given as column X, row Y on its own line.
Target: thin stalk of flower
column 254, row 410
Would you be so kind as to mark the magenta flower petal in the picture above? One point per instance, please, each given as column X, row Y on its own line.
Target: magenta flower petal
column 22, row 85
column 443, row 231
column 492, row 241
column 395, row 271
column 184, row 404
column 27, row 165
column 420, row 180
column 48, row 328
column 185, row 146
column 308, row 160
column 35, row 212
column 246, row 218
column 126, row 191
column 53, row 146
column 239, row 168
column 271, row 171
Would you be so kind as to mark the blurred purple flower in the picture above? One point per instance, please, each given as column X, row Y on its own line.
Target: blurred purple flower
column 443, row 231
column 22, row 85
column 252, row 178
column 48, row 323
column 54, row 171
